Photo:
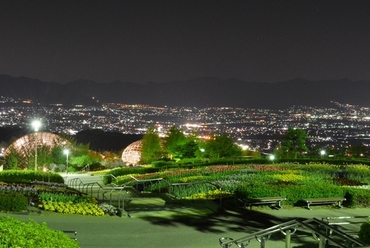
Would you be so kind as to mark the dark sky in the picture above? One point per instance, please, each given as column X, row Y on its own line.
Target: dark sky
column 161, row 41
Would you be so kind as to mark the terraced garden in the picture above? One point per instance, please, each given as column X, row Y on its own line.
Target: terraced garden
column 293, row 181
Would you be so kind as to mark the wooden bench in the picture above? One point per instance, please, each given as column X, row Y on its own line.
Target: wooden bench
column 324, row 201
column 276, row 201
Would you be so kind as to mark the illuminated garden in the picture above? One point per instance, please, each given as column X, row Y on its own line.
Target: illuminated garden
column 191, row 170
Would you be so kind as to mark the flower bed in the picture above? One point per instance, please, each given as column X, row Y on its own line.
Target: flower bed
column 293, row 181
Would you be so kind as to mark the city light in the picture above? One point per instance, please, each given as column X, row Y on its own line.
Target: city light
column 260, row 129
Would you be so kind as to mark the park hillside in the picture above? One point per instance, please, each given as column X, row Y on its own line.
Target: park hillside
column 184, row 168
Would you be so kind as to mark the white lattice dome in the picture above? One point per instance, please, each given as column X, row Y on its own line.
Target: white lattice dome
column 26, row 144
column 132, row 153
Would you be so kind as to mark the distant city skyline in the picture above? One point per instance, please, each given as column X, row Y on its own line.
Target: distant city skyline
column 337, row 128
column 165, row 41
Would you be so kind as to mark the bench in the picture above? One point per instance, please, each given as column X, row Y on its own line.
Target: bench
column 276, row 201
column 324, row 201
column 71, row 234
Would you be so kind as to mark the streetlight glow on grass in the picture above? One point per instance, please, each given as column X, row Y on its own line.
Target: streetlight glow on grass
column 66, row 152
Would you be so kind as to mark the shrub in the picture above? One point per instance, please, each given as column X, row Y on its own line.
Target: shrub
column 164, row 164
column 196, row 191
column 15, row 233
column 13, row 202
column 364, row 233
column 126, row 171
column 293, row 192
column 72, row 208
column 58, row 197
column 357, row 197
column 17, row 176
column 109, row 209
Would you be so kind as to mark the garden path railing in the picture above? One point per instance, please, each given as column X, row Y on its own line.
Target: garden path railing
column 321, row 232
column 114, row 194
column 93, row 188
column 75, row 183
column 346, row 220
column 141, row 184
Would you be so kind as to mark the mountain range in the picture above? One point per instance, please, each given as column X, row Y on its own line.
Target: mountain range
column 198, row 92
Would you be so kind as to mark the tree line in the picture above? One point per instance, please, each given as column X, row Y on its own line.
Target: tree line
column 175, row 146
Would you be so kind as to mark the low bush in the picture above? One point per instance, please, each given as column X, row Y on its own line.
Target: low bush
column 18, row 176
column 356, row 197
column 13, row 202
column 15, row 233
column 109, row 177
column 57, row 197
column 293, row 192
column 72, row 208
column 164, row 164
column 110, row 209
column 364, row 233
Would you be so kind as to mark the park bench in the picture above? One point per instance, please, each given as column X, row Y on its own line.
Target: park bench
column 71, row 234
column 324, row 201
column 276, row 201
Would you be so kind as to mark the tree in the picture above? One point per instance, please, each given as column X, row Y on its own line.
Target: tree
column 250, row 153
column 187, row 150
column 178, row 146
column 151, row 147
column 221, row 146
column 81, row 155
column 357, row 151
column 294, row 142
column 173, row 142
column 12, row 159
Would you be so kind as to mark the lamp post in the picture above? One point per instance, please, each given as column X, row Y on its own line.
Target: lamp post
column 66, row 152
column 322, row 153
column 272, row 157
column 36, row 125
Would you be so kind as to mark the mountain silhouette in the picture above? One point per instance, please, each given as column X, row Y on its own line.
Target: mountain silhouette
column 198, row 92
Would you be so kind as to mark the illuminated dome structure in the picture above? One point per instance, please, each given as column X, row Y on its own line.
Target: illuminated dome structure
column 26, row 144
column 132, row 153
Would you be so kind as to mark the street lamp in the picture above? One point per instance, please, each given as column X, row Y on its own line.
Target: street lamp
column 36, row 124
column 322, row 153
column 66, row 152
column 272, row 157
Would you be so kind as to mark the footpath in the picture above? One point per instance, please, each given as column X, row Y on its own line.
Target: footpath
column 188, row 231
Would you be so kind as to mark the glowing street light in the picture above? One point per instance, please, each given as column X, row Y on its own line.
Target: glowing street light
column 272, row 157
column 322, row 153
column 36, row 124
column 66, row 152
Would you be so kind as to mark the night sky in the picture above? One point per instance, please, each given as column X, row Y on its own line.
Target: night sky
column 162, row 41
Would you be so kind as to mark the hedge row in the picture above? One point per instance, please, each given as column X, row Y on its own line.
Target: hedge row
column 355, row 197
column 18, row 176
column 13, row 202
column 16, row 233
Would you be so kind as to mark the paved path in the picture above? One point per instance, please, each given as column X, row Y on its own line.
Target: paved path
column 189, row 232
